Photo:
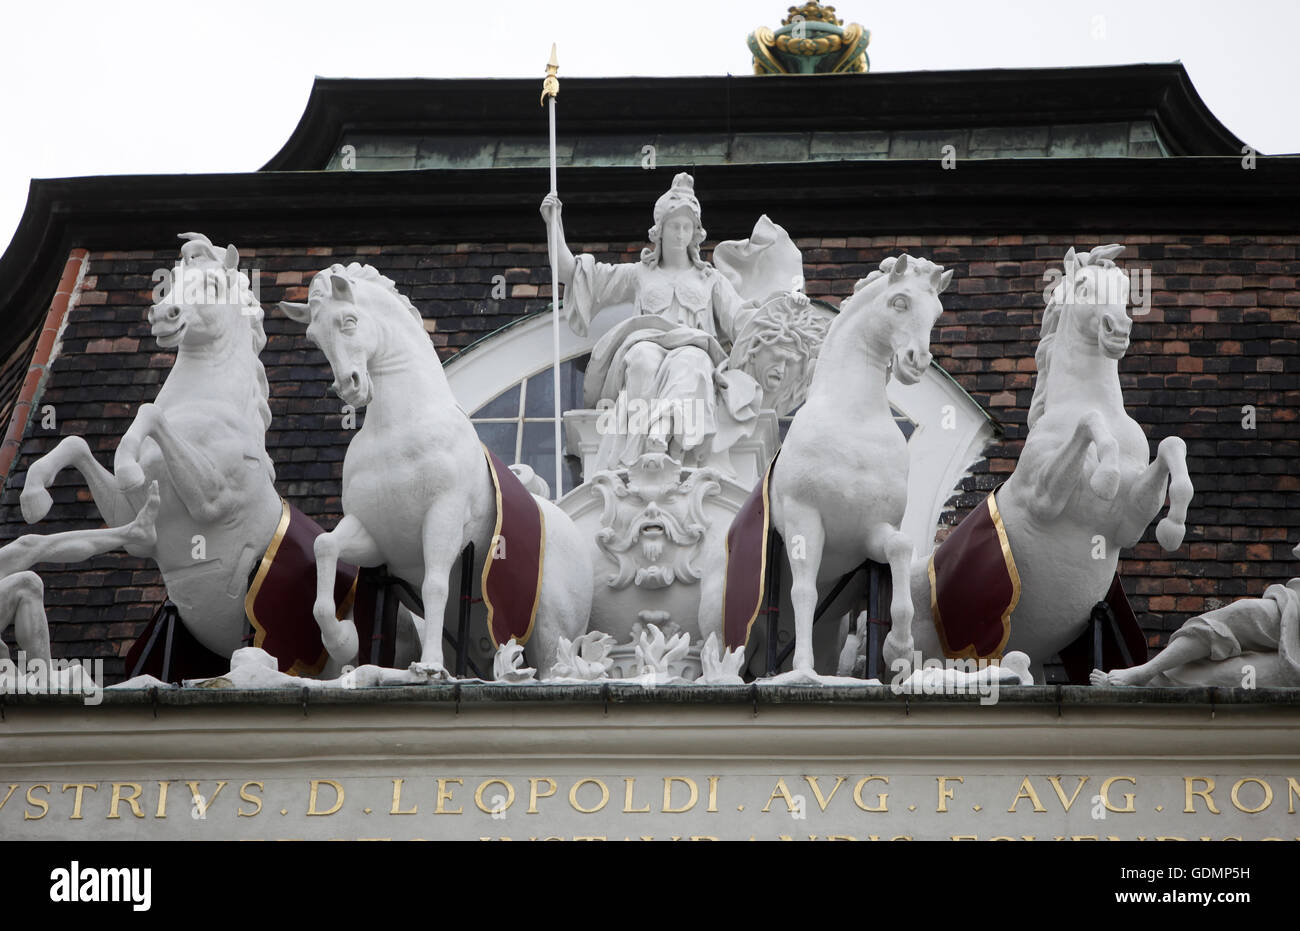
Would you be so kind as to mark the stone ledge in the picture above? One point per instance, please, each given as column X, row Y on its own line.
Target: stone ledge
column 632, row 694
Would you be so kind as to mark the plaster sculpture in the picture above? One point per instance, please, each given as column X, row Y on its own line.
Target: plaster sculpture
column 838, row 490
column 203, row 443
column 778, row 347
column 659, row 656
column 508, row 664
column 672, row 355
column 417, row 487
column 721, row 666
column 585, row 659
column 254, row 668
column 1250, row 643
column 22, row 594
column 202, row 440
column 1011, row 669
column 1083, row 488
column 653, row 523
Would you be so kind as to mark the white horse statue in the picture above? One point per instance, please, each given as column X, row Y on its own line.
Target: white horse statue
column 417, row 486
column 1083, row 488
column 838, row 488
column 202, row 440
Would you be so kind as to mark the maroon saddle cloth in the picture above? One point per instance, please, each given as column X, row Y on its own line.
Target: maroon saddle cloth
column 281, row 592
column 746, row 566
column 974, row 589
column 512, row 569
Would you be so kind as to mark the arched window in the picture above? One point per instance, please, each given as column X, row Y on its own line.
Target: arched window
column 504, row 382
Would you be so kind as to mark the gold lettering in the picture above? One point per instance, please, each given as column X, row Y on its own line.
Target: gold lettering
column 965, row 837
column 1292, row 793
column 703, row 837
column 396, row 808
column 534, row 795
column 783, row 791
column 1268, row 795
column 256, row 799
column 81, row 788
column 840, row 837
column 1129, row 807
column 12, row 787
column 1027, row 792
column 573, row 795
column 161, row 810
column 444, row 795
column 590, row 837
column 1189, row 792
column 713, row 794
column 882, row 798
column 945, row 793
column 823, row 801
column 629, row 783
column 118, row 798
column 1060, row 793
column 45, row 806
column 315, row 789
column 203, row 804
column 478, row 796
column 668, row 808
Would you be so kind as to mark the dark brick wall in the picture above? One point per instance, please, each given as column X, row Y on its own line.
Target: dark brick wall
column 1222, row 334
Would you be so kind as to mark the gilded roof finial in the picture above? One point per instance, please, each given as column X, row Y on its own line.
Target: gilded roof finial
column 811, row 40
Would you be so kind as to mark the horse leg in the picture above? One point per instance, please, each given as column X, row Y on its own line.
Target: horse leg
column 202, row 487
column 73, row 451
column 22, row 603
column 898, row 551
column 351, row 542
column 441, row 548
column 1171, row 459
column 803, row 522
column 1056, row 479
column 137, row 538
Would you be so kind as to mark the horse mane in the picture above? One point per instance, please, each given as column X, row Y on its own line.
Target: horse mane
column 199, row 246
column 1100, row 257
column 915, row 266
column 356, row 272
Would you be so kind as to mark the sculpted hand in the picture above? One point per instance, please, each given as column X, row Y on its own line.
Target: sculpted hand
column 551, row 208
column 799, row 299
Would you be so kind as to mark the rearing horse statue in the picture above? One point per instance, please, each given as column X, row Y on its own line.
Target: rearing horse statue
column 202, row 440
column 1082, row 490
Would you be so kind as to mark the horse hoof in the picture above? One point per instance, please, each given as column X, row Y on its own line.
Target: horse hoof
column 1170, row 534
column 35, row 502
column 897, row 648
column 430, row 671
column 1105, row 482
column 343, row 646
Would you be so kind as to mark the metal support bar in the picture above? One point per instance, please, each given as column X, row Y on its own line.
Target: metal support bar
column 772, row 600
column 822, row 607
column 466, row 593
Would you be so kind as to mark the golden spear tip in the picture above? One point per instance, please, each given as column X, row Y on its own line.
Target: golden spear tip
column 551, row 86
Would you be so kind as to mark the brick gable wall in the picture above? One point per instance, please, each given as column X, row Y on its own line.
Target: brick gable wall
column 1222, row 334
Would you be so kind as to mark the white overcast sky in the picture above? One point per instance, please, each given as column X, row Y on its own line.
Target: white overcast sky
column 93, row 88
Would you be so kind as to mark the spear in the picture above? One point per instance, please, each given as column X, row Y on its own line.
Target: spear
column 550, row 90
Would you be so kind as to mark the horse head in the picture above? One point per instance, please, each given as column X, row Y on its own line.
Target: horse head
column 896, row 307
column 205, row 298
column 1092, row 300
column 1087, row 308
column 351, row 315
